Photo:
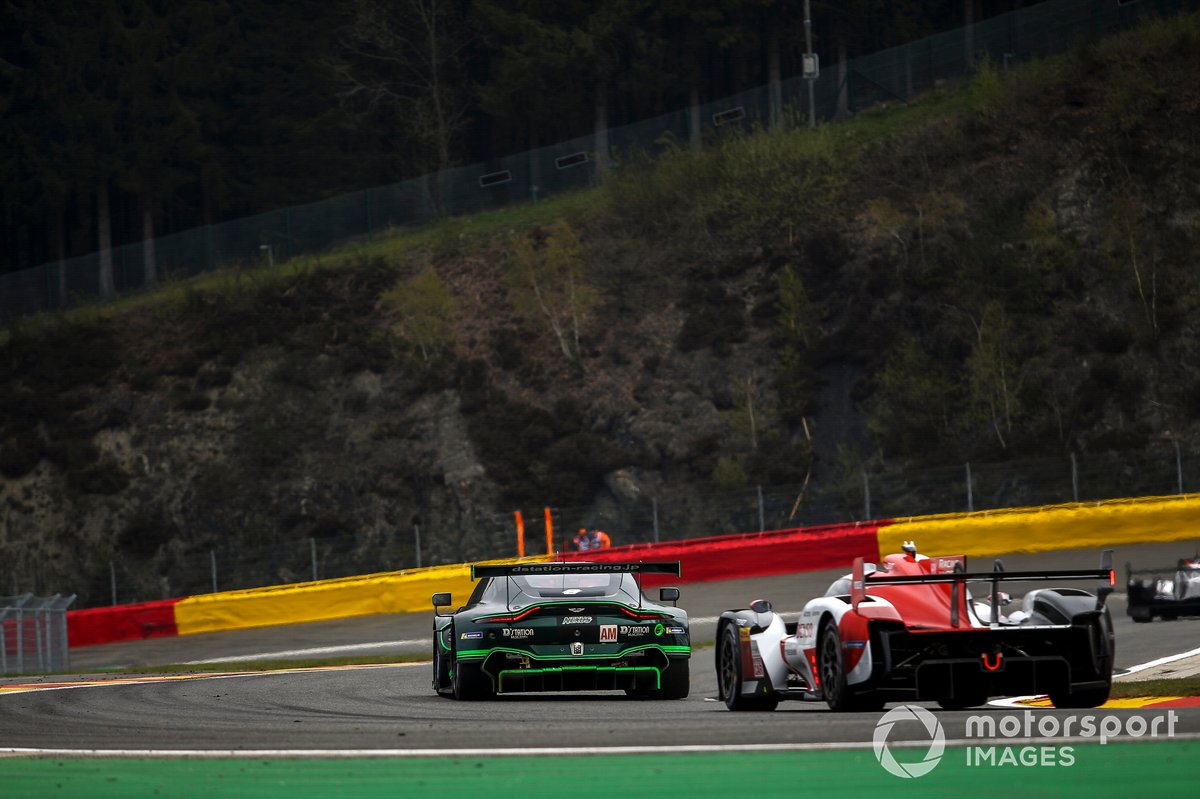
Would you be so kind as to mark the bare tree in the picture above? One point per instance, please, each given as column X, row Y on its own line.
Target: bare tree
column 403, row 59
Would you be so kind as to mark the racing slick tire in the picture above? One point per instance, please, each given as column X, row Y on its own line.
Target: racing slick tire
column 729, row 675
column 1093, row 697
column 1141, row 615
column 441, row 671
column 961, row 702
column 675, row 682
column 470, row 683
column 838, row 694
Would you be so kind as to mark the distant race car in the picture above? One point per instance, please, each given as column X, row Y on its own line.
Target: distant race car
column 910, row 630
column 1168, row 592
column 562, row 627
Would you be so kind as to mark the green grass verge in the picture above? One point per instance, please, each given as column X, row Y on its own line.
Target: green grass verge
column 1115, row 769
column 1179, row 686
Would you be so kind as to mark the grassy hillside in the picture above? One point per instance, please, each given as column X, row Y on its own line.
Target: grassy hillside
column 1001, row 270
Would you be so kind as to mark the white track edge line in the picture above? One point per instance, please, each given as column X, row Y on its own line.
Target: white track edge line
column 820, row 746
column 315, row 650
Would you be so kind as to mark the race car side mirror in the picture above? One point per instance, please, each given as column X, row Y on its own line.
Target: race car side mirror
column 440, row 600
column 762, row 606
column 668, row 595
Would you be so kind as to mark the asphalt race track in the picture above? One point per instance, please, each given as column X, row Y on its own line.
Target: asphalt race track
column 392, row 707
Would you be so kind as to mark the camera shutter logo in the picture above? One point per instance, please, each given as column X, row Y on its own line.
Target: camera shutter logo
column 883, row 752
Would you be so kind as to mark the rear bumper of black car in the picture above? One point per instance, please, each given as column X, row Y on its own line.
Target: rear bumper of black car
column 931, row 666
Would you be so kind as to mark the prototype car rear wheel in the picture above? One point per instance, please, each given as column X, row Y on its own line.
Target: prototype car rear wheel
column 1105, row 647
column 838, row 693
column 961, row 702
column 729, row 675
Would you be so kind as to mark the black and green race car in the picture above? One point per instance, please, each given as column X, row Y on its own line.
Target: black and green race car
column 562, row 627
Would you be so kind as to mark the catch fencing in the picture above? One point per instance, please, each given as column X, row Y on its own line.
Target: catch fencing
column 895, row 74
column 33, row 634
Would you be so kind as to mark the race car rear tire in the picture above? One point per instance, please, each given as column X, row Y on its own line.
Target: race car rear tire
column 470, row 683
column 676, row 681
column 962, row 702
column 729, row 675
column 1092, row 697
column 1141, row 615
column 1102, row 633
column 441, row 670
column 839, row 695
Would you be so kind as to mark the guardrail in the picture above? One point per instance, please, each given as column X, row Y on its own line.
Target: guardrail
column 982, row 533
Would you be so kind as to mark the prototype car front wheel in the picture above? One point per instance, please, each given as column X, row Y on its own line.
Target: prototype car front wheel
column 729, row 675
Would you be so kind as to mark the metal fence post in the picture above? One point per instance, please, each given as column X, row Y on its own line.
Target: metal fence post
column 62, row 629
column 38, row 641
column 417, row 542
column 212, row 557
column 970, row 494
column 20, row 640
column 654, row 508
column 1074, row 478
column 866, row 496
column 287, row 232
column 112, row 579
column 762, row 523
column 1178, row 466
column 312, row 547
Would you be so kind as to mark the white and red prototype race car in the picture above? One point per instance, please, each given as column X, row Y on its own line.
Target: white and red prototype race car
column 909, row 629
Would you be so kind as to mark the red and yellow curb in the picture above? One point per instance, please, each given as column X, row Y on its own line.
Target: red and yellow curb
column 1132, row 703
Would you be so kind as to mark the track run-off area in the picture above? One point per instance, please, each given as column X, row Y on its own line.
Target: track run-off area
column 379, row 730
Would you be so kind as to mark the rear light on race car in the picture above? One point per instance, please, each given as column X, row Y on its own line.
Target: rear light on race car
column 643, row 615
column 812, row 664
column 1112, row 577
column 510, row 619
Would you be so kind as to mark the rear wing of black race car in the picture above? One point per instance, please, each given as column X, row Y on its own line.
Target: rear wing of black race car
column 519, row 569
column 1105, row 579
